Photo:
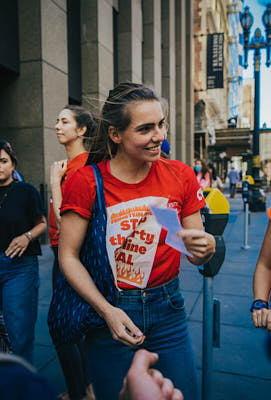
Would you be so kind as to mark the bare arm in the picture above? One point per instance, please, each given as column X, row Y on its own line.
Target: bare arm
column 199, row 243
column 262, row 281
column 73, row 231
column 19, row 244
column 57, row 172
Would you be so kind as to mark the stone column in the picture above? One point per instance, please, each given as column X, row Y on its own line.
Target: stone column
column 152, row 44
column 54, row 75
column 189, row 83
column 180, row 24
column 97, row 50
column 130, row 41
column 168, row 68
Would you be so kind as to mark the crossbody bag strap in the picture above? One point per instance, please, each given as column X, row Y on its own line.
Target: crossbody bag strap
column 99, row 188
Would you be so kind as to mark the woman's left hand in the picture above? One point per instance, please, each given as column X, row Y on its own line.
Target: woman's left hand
column 17, row 246
column 262, row 318
column 199, row 243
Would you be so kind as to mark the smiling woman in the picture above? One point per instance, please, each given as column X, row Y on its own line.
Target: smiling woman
column 22, row 221
column 149, row 311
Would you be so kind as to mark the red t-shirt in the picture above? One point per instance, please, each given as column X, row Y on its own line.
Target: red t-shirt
column 135, row 242
column 72, row 166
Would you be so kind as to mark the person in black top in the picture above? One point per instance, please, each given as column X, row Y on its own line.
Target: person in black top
column 22, row 221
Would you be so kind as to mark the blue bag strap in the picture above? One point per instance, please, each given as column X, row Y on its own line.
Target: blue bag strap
column 99, row 188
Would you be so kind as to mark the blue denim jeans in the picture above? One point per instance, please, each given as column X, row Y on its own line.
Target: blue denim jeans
column 19, row 282
column 160, row 314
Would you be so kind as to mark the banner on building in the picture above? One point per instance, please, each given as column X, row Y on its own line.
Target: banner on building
column 215, row 60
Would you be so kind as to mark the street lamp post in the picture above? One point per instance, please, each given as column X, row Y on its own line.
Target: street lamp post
column 257, row 43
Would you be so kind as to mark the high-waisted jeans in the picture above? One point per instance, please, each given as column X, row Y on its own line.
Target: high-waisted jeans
column 19, row 283
column 160, row 314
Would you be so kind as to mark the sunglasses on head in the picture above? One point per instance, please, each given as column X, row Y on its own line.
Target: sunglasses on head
column 6, row 145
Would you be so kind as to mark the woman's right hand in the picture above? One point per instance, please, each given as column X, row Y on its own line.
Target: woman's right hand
column 57, row 171
column 122, row 327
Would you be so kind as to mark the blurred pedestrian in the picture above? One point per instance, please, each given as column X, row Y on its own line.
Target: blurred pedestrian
column 74, row 127
column 267, row 174
column 165, row 149
column 216, row 181
column 20, row 381
column 127, row 150
column 234, row 178
column 23, row 220
column 202, row 173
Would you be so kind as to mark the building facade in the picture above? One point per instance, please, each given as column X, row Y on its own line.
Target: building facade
column 217, row 105
column 60, row 51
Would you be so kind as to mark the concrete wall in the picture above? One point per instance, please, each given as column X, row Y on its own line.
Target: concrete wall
column 31, row 101
column 180, row 35
column 97, row 50
column 168, row 68
column 154, row 46
column 130, row 41
column 54, row 75
column 152, row 66
column 189, row 93
column 21, row 118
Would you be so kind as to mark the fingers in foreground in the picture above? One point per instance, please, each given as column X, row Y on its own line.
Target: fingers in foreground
column 167, row 388
column 145, row 359
column 177, row 395
column 157, row 377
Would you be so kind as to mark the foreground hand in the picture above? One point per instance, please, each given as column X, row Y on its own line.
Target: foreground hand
column 199, row 243
column 122, row 328
column 57, row 171
column 262, row 318
column 143, row 383
column 17, row 246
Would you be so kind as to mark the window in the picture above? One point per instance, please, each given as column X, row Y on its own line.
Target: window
column 74, row 52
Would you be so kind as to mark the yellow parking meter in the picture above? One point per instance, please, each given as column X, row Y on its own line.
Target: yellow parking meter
column 215, row 217
column 249, row 179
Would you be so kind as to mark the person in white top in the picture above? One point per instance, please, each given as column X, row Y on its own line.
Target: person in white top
column 216, row 181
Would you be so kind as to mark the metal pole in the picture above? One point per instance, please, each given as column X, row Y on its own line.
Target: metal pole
column 207, row 339
column 245, row 245
column 256, row 132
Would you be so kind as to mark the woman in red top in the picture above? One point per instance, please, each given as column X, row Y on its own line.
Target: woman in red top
column 74, row 127
column 149, row 312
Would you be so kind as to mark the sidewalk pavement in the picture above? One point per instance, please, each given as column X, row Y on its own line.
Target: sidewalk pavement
column 242, row 369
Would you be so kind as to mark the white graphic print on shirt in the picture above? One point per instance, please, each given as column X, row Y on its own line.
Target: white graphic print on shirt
column 132, row 238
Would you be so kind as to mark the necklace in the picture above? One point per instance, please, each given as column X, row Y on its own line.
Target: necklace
column 4, row 193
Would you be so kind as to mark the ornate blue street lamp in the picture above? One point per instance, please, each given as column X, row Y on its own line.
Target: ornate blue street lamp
column 257, row 43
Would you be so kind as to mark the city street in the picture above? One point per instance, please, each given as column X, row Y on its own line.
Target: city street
column 242, row 369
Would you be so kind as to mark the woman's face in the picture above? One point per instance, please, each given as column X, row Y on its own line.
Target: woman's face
column 6, row 168
column 198, row 166
column 66, row 127
column 141, row 141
